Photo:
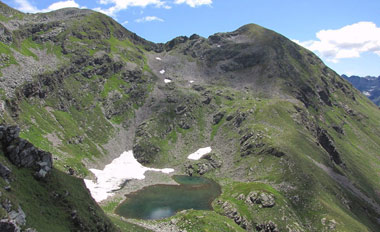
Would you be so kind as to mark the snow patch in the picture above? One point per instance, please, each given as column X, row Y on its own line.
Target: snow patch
column 191, row 82
column 167, row 81
column 158, row 58
column 198, row 154
column 162, row 71
column 109, row 180
column 366, row 93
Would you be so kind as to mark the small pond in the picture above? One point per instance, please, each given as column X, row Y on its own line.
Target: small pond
column 161, row 201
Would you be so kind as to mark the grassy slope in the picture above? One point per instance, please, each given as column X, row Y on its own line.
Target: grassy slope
column 48, row 204
column 320, row 196
column 84, row 116
column 43, row 120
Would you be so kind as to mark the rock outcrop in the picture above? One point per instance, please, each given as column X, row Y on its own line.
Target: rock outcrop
column 22, row 153
column 328, row 144
column 263, row 199
column 232, row 212
column 207, row 163
column 267, row 227
column 5, row 172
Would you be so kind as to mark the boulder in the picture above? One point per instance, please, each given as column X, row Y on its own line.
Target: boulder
column 267, row 227
column 180, row 110
column 267, row 200
column 7, row 205
column 239, row 118
column 198, row 88
column 229, row 118
column 184, row 124
column 217, row 118
column 207, row 100
column 7, row 225
column 262, row 199
column 5, row 172
column 18, row 216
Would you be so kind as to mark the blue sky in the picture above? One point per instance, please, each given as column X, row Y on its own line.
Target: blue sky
column 344, row 33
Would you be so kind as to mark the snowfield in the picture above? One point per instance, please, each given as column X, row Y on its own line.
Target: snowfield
column 198, row 154
column 123, row 168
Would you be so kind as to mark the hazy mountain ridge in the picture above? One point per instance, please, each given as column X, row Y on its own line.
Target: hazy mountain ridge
column 279, row 121
column 369, row 86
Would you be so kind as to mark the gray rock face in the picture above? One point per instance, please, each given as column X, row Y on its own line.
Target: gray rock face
column 328, row 144
column 250, row 142
column 231, row 212
column 18, row 216
column 5, row 172
column 22, row 153
column 267, row 227
column 265, row 200
column 7, row 205
column 13, row 219
column 217, row 118
column 8, row 226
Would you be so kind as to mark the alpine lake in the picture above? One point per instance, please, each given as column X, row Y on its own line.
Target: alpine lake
column 162, row 201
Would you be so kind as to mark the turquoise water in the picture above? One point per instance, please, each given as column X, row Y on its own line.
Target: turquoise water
column 161, row 201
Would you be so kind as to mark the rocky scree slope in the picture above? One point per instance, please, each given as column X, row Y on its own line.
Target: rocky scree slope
column 295, row 146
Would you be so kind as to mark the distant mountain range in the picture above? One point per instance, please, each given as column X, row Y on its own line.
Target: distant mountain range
column 369, row 86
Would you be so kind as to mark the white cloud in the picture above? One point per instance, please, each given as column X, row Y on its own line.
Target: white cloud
column 347, row 42
column 125, row 23
column 194, row 3
column 118, row 5
column 60, row 5
column 26, row 6
column 149, row 19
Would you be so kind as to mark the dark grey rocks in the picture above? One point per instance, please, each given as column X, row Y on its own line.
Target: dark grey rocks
column 267, row 227
column 8, row 226
column 263, row 199
column 217, row 118
column 22, row 153
column 5, row 172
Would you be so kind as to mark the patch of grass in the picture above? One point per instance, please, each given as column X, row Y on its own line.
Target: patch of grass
column 126, row 226
column 114, row 83
column 7, row 56
column 24, row 47
column 197, row 220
